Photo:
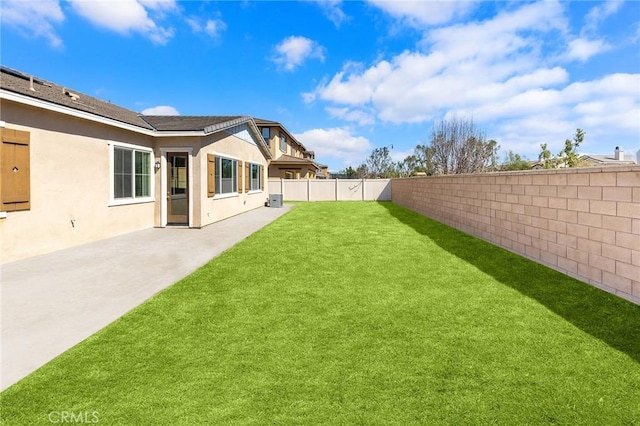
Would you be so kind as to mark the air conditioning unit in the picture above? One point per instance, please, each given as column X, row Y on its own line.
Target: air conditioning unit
column 275, row 200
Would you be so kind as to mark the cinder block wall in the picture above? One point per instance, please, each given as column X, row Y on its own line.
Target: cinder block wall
column 583, row 222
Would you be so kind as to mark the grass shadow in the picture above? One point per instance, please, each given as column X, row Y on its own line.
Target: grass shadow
column 611, row 319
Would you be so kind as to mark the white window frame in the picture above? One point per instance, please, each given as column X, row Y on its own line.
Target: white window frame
column 234, row 180
column 260, row 178
column 133, row 199
column 267, row 139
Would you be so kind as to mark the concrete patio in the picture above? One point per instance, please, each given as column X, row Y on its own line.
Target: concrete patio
column 52, row 302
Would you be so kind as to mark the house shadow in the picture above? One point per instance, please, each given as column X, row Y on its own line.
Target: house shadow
column 609, row 318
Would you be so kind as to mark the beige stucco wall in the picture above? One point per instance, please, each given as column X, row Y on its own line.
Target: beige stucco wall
column 70, row 184
column 298, row 171
column 213, row 209
column 71, row 179
column 583, row 222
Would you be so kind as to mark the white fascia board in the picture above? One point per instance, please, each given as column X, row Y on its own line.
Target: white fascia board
column 49, row 106
column 252, row 126
column 258, row 135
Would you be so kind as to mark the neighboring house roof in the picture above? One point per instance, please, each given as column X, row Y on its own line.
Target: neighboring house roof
column 268, row 123
column 288, row 160
column 25, row 85
column 608, row 159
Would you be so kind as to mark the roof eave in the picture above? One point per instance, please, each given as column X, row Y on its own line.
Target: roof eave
column 277, row 124
column 61, row 109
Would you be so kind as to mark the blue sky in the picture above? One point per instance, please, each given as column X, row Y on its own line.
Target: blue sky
column 346, row 77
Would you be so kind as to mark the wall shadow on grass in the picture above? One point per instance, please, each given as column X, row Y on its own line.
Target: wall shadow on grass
column 613, row 320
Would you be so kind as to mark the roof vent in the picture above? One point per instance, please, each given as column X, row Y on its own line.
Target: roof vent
column 31, row 84
column 73, row 96
column 618, row 154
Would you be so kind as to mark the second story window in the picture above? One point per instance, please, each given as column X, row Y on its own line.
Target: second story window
column 266, row 135
column 283, row 142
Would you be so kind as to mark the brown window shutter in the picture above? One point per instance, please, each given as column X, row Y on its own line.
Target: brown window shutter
column 262, row 178
column 211, row 175
column 247, row 176
column 239, row 176
column 15, row 181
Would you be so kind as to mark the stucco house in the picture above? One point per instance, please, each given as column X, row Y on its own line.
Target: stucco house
column 75, row 169
column 616, row 158
column 290, row 158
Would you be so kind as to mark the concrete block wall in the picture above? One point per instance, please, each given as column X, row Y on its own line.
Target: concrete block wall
column 583, row 222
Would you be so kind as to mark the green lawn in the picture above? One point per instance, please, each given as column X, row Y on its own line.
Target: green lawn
column 354, row 313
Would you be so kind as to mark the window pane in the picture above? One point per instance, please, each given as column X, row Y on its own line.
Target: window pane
column 143, row 174
column 226, row 181
column 122, row 173
column 126, row 186
column 255, row 177
column 266, row 135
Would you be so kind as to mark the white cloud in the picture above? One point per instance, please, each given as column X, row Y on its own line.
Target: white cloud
column 293, row 51
column 336, row 144
column 605, row 108
column 332, row 9
column 159, row 5
column 359, row 116
column 34, row 18
column 509, row 79
column 127, row 16
column 398, row 156
column 451, row 72
column 599, row 12
column 161, row 110
column 583, row 49
column 421, row 13
column 212, row 27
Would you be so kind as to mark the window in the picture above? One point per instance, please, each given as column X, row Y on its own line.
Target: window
column 226, row 176
column 256, row 177
column 15, row 169
column 131, row 173
column 266, row 135
column 283, row 142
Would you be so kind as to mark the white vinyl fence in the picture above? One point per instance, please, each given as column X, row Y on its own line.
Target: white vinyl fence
column 331, row 189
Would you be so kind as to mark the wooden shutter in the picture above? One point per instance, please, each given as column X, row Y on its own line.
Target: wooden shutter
column 15, row 182
column 239, row 176
column 211, row 175
column 262, row 178
column 247, row 176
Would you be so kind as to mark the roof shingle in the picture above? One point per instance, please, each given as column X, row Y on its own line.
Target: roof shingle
column 19, row 82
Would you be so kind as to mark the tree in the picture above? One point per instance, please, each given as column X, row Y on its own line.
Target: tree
column 458, row 147
column 513, row 161
column 548, row 162
column 379, row 164
column 349, row 173
column 362, row 171
column 568, row 157
column 405, row 167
